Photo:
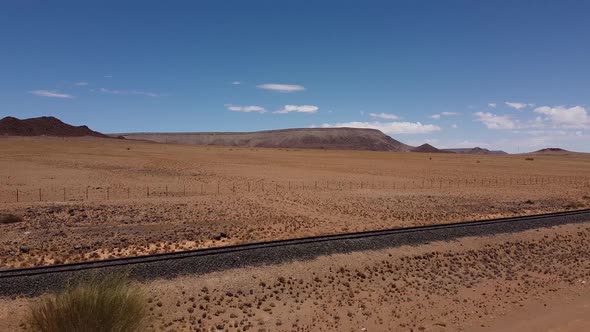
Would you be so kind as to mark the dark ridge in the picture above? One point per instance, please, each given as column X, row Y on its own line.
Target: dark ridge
column 43, row 126
column 427, row 148
column 475, row 150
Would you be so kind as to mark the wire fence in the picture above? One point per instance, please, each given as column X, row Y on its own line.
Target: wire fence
column 122, row 192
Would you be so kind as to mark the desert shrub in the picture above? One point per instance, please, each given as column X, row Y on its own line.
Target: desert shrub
column 94, row 303
column 9, row 218
column 574, row 205
column 529, row 159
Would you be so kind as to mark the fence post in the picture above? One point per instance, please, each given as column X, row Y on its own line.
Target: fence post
column 248, row 186
column 108, row 193
column 17, row 195
column 166, row 190
column 64, row 194
column 86, row 192
column 148, row 191
column 40, row 195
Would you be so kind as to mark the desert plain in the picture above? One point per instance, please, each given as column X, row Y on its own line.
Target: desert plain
column 78, row 199
column 93, row 198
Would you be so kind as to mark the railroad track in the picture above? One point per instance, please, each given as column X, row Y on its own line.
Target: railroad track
column 36, row 280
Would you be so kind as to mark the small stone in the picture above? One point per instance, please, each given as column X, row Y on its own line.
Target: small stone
column 24, row 249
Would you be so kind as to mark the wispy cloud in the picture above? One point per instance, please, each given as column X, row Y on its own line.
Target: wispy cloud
column 129, row 92
column 516, row 105
column 281, row 87
column 51, row 94
column 572, row 117
column 439, row 115
column 81, row 83
column 386, row 116
column 236, row 82
column 390, row 128
column 493, row 121
column 298, row 109
column 245, row 109
column 492, row 105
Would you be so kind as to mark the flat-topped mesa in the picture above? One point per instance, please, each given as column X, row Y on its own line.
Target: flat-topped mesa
column 552, row 151
column 475, row 150
column 43, row 126
column 297, row 138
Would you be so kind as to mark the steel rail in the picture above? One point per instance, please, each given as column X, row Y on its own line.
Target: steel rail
column 267, row 244
column 270, row 252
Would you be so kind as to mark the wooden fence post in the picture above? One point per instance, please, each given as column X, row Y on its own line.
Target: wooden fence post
column 17, row 195
column 40, row 195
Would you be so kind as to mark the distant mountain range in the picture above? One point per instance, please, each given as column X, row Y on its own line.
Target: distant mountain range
column 43, row 126
column 475, row 150
column 298, row 138
column 302, row 138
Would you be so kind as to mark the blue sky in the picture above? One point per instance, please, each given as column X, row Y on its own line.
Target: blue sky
column 512, row 75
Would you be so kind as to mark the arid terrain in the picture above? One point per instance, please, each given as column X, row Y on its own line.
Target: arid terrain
column 90, row 198
column 531, row 281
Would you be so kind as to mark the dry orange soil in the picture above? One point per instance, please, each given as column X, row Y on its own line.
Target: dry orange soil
column 87, row 198
column 531, row 281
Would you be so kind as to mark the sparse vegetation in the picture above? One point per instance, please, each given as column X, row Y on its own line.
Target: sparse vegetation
column 95, row 303
column 529, row 158
column 9, row 218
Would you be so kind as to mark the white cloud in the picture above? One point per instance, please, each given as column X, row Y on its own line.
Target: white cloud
column 493, row 121
column 386, row 116
column 390, row 128
column 515, row 105
column 573, row 117
column 439, row 115
column 51, row 94
column 246, row 109
column 129, row 92
column 236, row 82
column 298, row 109
column 281, row 87
column 492, row 105
column 81, row 83
column 454, row 126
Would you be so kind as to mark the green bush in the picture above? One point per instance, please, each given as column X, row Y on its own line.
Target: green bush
column 105, row 303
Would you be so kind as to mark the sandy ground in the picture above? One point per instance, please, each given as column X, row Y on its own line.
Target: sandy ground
column 530, row 281
column 212, row 196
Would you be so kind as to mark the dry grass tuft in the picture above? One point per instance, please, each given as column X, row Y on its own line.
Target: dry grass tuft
column 10, row 218
column 97, row 303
